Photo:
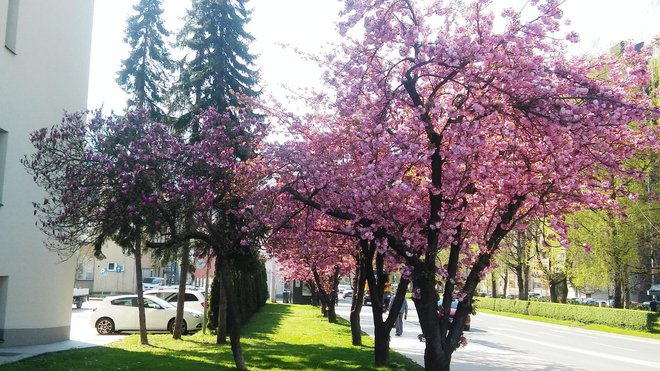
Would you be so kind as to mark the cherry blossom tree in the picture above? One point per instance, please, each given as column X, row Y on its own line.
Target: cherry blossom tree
column 223, row 171
column 449, row 132
column 309, row 246
column 103, row 178
column 129, row 180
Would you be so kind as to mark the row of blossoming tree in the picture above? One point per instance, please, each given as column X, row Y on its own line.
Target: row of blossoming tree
column 440, row 134
column 448, row 128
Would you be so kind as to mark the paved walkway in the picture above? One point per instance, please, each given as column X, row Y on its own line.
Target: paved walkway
column 474, row 357
column 82, row 336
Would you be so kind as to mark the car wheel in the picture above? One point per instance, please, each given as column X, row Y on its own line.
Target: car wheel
column 105, row 326
column 184, row 327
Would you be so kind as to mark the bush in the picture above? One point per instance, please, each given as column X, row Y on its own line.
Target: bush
column 248, row 274
column 621, row 318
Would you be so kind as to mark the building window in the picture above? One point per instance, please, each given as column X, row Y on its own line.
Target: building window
column 3, row 159
column 12, row 25
column 85, row 270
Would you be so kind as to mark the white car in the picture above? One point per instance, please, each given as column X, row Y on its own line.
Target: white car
column 151, row 283
column 345, row 291
column 194, row 300
column 120, row 313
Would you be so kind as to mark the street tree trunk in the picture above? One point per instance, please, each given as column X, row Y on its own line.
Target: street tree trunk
column 493, row 284
column 221, row 334
column 233, row 316
column 137, row 251
column 328, row 299
column 185, row 263
column 358, row 296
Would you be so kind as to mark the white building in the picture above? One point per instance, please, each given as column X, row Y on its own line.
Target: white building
column 113, row 275
column 44, row 68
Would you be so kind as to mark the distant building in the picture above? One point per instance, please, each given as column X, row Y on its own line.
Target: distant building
column 44, row 68
column 115, row 274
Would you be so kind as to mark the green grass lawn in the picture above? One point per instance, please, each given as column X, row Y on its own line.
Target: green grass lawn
column 655, row 334
column 279, row 337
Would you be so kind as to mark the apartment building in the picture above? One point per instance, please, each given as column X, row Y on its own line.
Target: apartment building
column 44, row 68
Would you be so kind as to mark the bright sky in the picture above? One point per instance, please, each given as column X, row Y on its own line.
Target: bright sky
column 309, row 25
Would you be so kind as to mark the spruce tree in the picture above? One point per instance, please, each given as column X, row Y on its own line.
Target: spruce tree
column 220, row 62
column 218, row 66
column 144, row 73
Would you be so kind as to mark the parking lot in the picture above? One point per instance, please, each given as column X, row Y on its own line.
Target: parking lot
column 82, row 331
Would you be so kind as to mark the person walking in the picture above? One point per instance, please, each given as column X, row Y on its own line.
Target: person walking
column 403, row 314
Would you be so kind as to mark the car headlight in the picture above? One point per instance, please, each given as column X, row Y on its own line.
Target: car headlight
column 195, row 313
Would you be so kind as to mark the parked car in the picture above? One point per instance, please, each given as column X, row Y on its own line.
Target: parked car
column 344, row 291
column 120, row 313
column 452, row 311
column 194, row 300
column 150, row 283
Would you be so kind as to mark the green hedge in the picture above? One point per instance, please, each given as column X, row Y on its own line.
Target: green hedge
column 622, row 318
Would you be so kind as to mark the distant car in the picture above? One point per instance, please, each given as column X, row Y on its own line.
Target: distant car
column 452, row 312
column 386, row 299
column 344, row 291
column 120, row 313
column 150, row 283
column 194, row 300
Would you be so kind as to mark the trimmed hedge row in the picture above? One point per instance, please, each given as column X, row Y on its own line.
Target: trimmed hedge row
column 621, row 318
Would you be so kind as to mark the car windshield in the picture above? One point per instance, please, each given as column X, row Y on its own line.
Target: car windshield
column 151, row 280
column 160, row 302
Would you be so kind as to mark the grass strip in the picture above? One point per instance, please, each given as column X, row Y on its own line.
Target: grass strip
column 278, row 337
column 655, row 334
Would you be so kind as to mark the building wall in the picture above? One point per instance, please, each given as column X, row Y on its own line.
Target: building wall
column 113, row 275
column 47, row 74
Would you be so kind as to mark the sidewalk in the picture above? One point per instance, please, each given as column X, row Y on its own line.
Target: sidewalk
column 82, row 336
column 474, row 357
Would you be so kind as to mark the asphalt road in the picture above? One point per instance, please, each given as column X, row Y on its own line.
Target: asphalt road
column 498, row 343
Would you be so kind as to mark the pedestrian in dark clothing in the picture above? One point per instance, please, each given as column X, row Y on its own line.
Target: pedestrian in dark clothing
column 653, row 305
column 403, row 314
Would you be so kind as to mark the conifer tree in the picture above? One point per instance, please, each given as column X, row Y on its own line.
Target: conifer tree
column 220, row 62
column 219, row 65
column 144, row 73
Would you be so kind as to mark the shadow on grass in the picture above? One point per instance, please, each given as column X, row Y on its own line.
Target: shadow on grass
column 261, row 348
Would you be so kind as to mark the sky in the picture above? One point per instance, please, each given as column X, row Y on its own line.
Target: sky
column 280, row 26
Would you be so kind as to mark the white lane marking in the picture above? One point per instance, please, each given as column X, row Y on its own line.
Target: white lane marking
column 587, row 352
column 594, row 334
column 615, row 347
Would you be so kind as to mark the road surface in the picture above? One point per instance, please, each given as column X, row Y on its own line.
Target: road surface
column 498, row 343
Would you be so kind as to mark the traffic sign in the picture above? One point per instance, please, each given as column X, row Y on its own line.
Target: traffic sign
column 104, row 272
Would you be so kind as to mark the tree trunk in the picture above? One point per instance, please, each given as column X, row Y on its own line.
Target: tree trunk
column 328, row 300
column 435, row 355
column 233, row 317
column 140, row 293
column 493, row 284
column 382, row 343
column 185, row 263
column 358, row 300
column 221, row 334
column 618, row 290
column 520, row 278
column 563, row 289
column 381, row 328
column 506, row 282
column 553, row 290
